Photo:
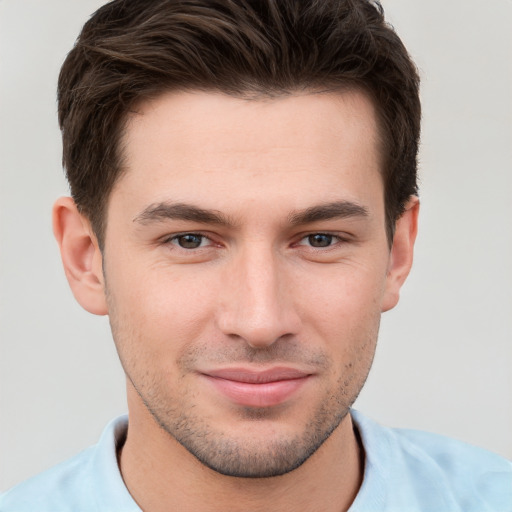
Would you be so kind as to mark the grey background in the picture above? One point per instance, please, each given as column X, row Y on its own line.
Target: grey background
column 444, row 356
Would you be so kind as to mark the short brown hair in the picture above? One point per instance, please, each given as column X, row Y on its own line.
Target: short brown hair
column 131, row 50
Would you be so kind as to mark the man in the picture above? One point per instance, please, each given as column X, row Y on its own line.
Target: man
column 244, row 208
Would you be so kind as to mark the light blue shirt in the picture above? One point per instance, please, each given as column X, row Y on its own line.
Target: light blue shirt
column 405, row 471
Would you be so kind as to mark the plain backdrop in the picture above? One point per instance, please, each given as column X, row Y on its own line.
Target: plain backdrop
column 444, row 357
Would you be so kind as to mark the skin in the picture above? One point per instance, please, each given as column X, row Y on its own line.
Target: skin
column 243, row 234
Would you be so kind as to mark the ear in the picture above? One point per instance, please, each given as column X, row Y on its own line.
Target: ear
column 401, row 255
column 81, row 256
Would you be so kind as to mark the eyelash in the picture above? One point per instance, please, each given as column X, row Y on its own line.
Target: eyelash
column 175, row 238
column 333, row 240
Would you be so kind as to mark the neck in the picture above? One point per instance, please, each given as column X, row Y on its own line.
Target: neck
column 161, row 475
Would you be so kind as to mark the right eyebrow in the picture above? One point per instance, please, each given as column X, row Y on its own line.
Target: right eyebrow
column 158, row 212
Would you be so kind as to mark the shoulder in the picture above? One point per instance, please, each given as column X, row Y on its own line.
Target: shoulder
column 62, row 487
column 90, row 481
column 434, row 470
column 475, row 477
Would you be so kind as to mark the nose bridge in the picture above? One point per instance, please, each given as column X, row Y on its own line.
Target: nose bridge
column 257, row 307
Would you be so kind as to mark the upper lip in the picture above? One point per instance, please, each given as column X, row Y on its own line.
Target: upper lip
column 256, row 376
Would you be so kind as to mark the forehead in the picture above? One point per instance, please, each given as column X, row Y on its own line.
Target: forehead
column 220, row 150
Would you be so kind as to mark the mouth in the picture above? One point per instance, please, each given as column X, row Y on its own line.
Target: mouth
column 257, row 388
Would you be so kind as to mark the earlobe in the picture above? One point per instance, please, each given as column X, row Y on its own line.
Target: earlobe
column 81, row 256
column 401, row 257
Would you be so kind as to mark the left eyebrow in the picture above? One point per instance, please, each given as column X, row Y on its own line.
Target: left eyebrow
column 159, row 212
column 328, row 211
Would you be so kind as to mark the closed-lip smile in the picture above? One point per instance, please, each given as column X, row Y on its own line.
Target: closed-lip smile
column 251, row 387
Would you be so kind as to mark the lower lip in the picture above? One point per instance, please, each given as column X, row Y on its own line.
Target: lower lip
column 265, row 394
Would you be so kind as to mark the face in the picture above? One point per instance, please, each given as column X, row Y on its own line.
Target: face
column 246, row 267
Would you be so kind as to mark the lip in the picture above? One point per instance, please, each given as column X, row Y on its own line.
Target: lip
column 257, row 388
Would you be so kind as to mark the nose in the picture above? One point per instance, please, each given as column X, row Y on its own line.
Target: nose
column 257, row 299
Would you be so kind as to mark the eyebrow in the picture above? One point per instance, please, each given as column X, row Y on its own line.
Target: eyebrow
column 328, row 211
column 158, row 212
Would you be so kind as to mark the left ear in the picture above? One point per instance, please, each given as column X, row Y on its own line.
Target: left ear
column 81, row 256
column 400, row 260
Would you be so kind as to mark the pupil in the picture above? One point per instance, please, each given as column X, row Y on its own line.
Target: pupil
column 190, row 241
column 320, row 240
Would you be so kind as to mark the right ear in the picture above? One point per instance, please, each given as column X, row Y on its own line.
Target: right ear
column 80, row 255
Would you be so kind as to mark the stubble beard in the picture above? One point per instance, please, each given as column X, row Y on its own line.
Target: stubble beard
column 243, row 457
column 247, row 456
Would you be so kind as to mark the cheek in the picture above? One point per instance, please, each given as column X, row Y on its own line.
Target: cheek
column 342, row 296
column 344, row 315
column 156, row 312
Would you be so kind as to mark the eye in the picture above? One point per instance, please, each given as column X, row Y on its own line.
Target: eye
column 319, row 240
column 190, row 240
